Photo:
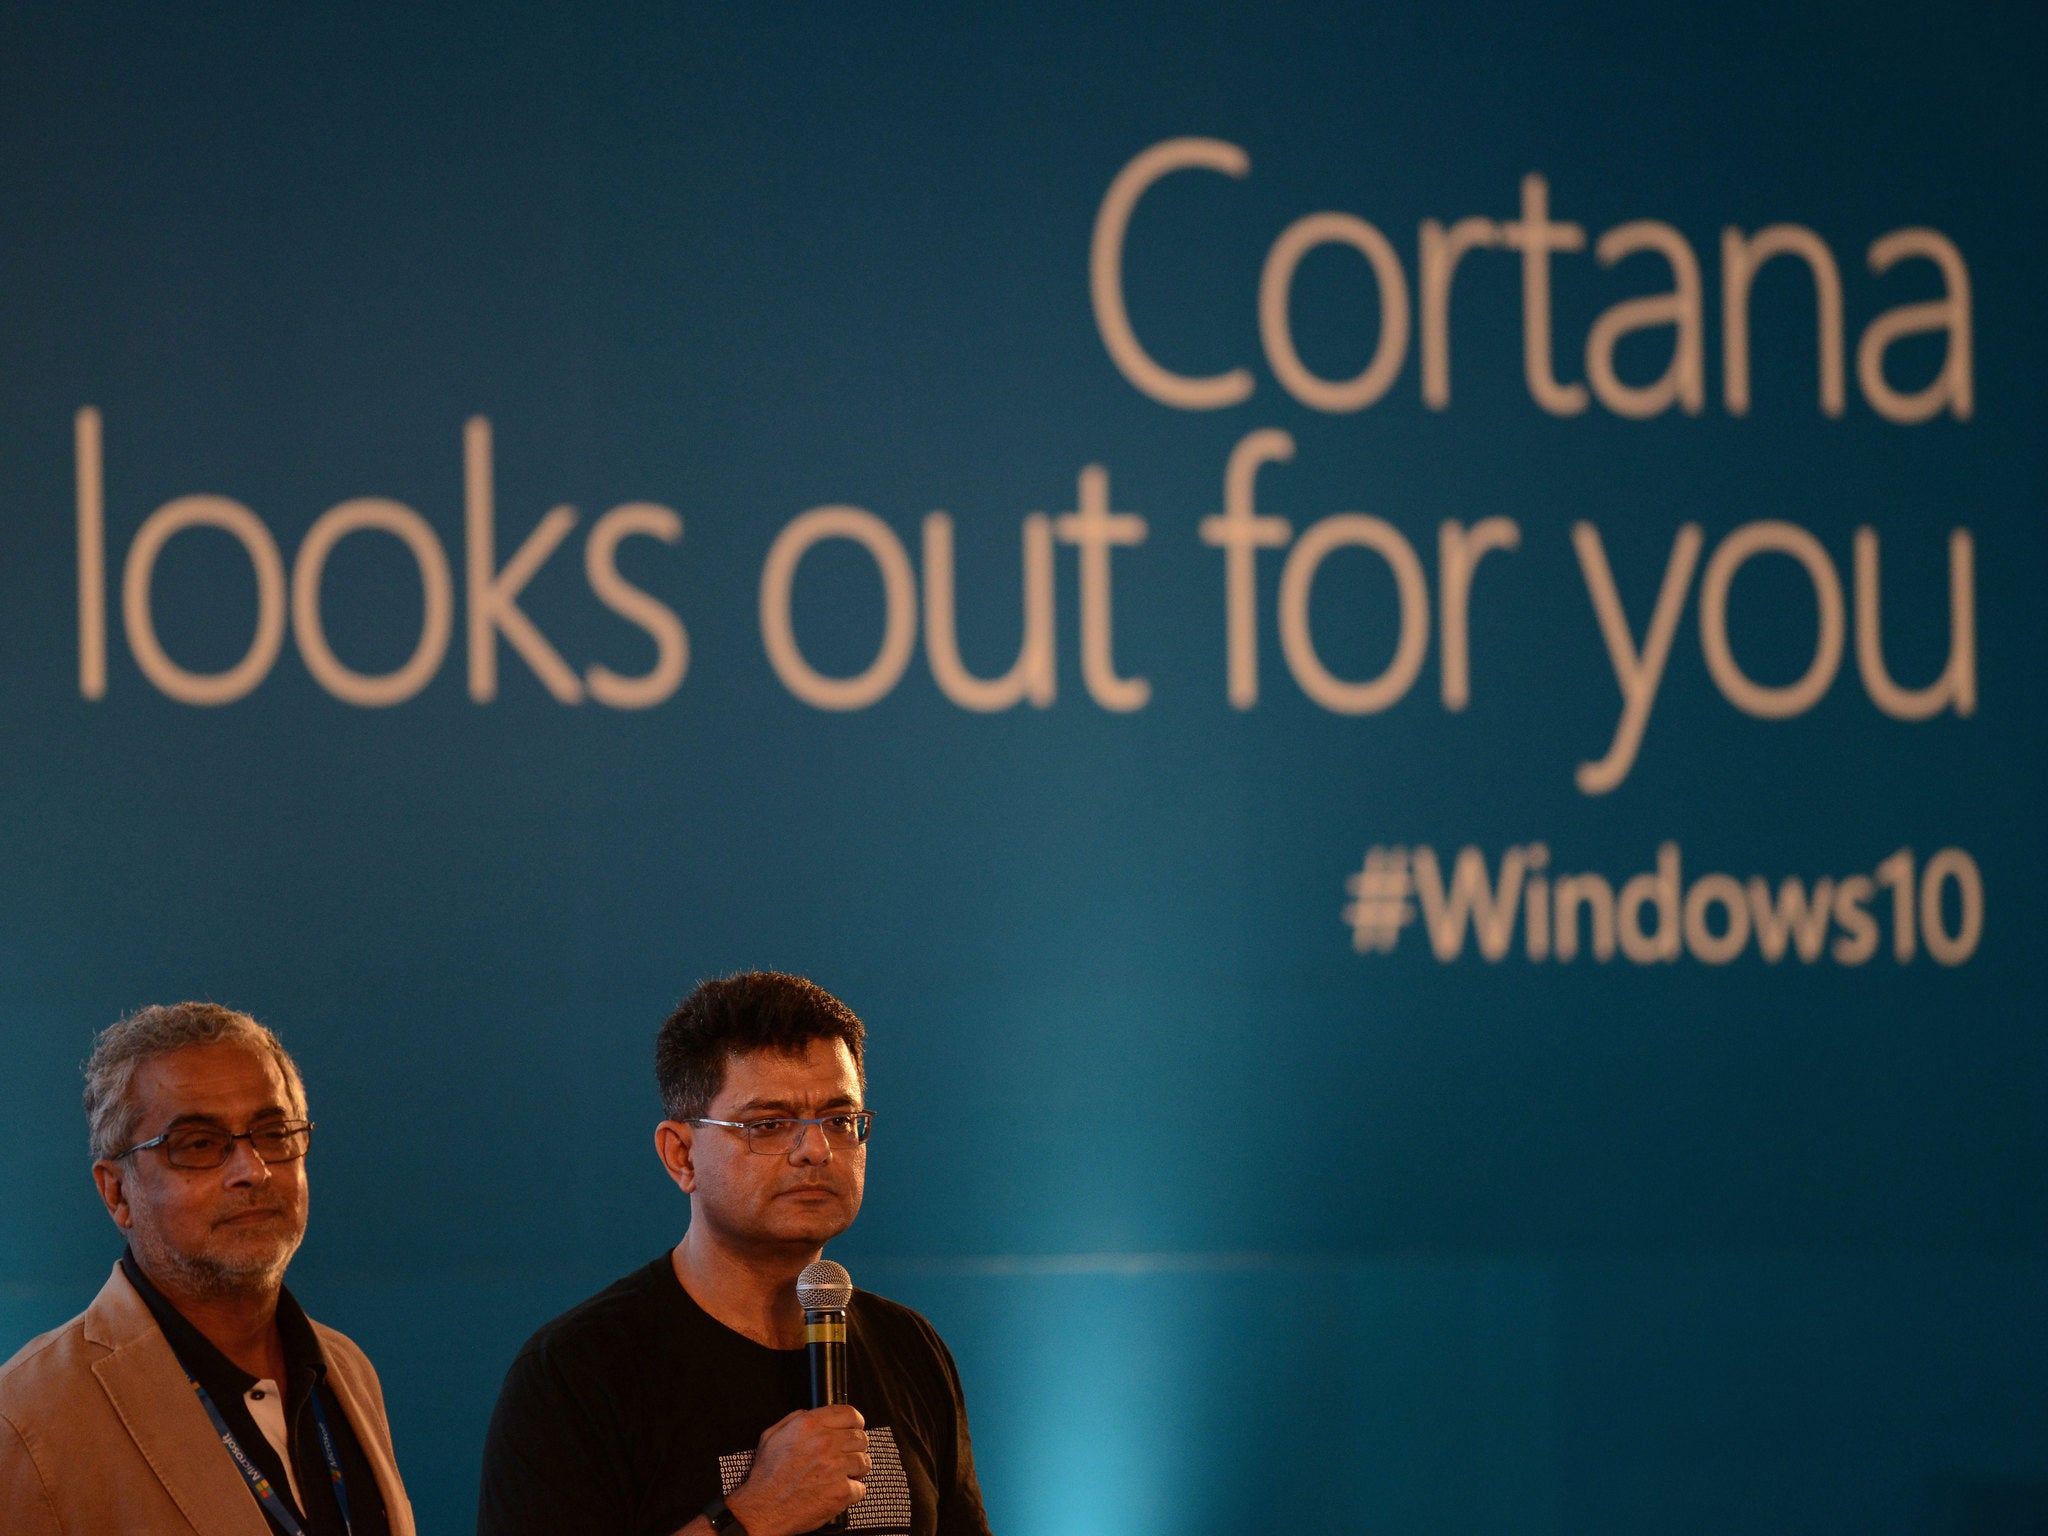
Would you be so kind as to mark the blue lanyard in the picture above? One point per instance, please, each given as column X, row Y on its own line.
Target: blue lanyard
column 266, row 1496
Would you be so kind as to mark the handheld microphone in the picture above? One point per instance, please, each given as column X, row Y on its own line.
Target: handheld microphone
column 823, row 1290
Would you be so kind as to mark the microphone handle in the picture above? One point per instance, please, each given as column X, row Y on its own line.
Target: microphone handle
column 825, row 1341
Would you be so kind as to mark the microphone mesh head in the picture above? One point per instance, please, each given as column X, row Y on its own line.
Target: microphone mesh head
column 824, row 1287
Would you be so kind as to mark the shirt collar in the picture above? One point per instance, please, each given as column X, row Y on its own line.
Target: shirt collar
column 213, row 1370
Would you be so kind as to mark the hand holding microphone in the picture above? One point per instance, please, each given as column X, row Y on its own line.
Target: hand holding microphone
column 811, row 1465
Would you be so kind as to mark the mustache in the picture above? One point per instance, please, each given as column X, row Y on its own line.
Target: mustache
column 268, row 1207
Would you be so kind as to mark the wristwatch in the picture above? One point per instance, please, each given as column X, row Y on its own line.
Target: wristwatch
column 722, row 1519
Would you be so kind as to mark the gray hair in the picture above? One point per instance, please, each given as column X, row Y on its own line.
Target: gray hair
column 154, row 1031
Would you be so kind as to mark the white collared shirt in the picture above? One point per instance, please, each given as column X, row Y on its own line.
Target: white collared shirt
column 266, row 1407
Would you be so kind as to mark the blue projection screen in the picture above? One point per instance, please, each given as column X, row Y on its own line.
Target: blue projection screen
column 1397, row 652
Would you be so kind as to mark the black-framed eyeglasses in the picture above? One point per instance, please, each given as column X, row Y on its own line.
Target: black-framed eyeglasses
column 208, row 1146
column 774, row 1137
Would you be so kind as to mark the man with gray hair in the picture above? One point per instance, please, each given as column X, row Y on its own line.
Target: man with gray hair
column 193, row 1395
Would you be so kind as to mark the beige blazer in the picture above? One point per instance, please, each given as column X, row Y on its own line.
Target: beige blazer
column 101, row 1434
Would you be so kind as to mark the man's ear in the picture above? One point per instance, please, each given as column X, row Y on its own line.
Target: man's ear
column 112, row 1179
column 673, row 1144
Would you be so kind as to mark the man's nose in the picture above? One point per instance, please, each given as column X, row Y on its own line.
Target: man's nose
column 243, row 1166
column 810, row 1146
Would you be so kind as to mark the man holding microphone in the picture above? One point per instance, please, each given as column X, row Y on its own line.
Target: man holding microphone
column 678, row 1401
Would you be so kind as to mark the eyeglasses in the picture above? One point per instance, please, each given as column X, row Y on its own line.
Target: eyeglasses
column 772, row 1138
column 208, row 1146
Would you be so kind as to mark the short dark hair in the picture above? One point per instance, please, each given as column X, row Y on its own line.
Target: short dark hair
column 735, row 1016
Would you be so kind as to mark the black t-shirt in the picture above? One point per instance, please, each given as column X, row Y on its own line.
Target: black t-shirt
column 625, row 1415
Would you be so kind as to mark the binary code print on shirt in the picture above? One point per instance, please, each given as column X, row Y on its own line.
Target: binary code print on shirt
column 885, row 1508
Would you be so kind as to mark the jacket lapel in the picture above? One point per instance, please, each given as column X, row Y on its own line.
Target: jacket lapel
column 156, row 1404
column 367, row 1419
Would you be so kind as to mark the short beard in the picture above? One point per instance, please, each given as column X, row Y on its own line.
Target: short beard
column 205, row 1278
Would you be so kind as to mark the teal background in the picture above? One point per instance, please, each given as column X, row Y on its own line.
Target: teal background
column 1228, row 1225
